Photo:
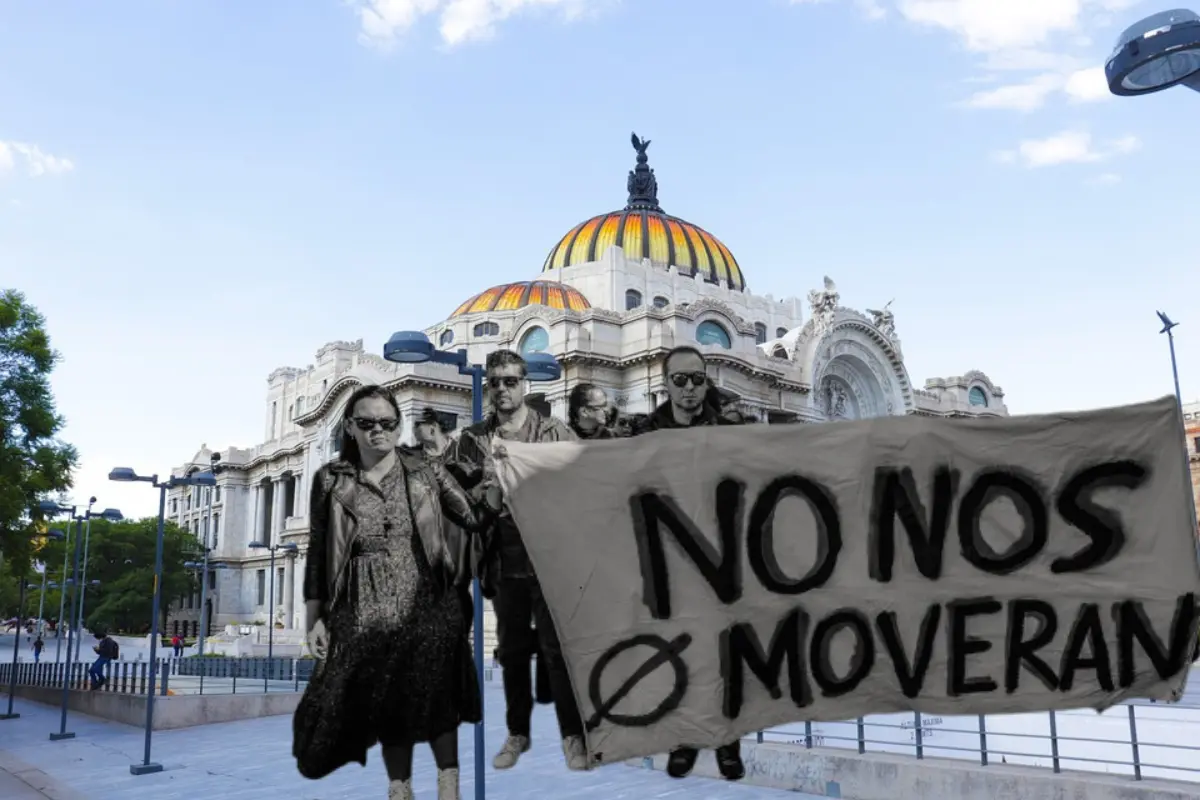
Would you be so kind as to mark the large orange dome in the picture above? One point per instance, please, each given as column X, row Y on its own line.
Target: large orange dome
column 642, row 230
column 512, row 296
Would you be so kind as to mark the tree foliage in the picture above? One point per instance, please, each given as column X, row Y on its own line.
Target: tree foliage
column 120, row 555
column 33, row 463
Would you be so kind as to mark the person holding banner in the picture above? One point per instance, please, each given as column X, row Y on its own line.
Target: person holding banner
column 588, row 412
column 505, row 573
column 691, row 401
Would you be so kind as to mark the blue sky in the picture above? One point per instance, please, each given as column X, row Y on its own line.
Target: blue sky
column 197, row 193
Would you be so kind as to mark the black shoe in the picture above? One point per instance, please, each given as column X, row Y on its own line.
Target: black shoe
column 729, row 762
column 681, row 761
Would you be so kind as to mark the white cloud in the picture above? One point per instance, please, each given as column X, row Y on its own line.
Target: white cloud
column 989, row 26
column 36, row 161
column 1087, row 85
column 1080, row 86
column 1105, row 179
column 1068, row 147
column 382, row 22
column 1026, row 96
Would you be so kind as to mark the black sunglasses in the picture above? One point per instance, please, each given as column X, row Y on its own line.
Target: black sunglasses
column 368, row 424
column 682, row 379
column 508, row 383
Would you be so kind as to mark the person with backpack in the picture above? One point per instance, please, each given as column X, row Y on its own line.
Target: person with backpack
column 107, row 651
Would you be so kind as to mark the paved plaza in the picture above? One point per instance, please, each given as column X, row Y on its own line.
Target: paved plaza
column 252, row 759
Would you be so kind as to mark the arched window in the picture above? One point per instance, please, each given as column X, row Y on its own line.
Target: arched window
column 779, row 352
column 487, row 329
column 633, row 299
column 447, row 338
column 535, row 340
column 709, row 332
column 661, row 302
column 760, row 333
column 780, row 333
column 977, row 397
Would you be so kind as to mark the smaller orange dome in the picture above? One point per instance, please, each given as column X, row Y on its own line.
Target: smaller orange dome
column 512, row 296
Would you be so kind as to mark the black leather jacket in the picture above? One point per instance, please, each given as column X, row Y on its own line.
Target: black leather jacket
column 433, row 496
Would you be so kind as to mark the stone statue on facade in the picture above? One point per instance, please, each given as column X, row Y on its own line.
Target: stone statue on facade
column 884, row 320
column 835, row 401
column 823, row 304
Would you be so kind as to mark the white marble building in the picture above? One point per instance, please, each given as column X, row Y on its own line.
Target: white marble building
column 616, row 292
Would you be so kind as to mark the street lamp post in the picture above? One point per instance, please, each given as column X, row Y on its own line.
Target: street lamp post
column 62, row 595
column 50, row 507
column 1156, row 53
column 126, row 475
column 12, row 678
column 290, row 548
column 54, row 534
column 1168, row 327
column 414, row 347
column 112, row 515
column 215, row 459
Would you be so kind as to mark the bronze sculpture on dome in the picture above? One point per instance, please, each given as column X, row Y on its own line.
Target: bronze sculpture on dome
column 642, row 185
column 641, row 146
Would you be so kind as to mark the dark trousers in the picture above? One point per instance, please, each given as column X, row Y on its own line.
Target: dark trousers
column 519, row 605
column 96, row 671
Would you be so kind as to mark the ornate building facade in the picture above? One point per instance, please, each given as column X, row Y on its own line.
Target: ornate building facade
column 615, row 293
column 1191, row 425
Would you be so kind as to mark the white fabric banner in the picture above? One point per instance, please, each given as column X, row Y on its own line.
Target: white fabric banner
column 711, row 582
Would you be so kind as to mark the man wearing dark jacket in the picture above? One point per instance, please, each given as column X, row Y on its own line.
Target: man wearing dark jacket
column 688, row 406
column 505, row 572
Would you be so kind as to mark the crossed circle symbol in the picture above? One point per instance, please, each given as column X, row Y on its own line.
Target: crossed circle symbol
column 664, row 653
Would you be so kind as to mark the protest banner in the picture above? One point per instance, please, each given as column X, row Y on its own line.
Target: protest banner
column 712, row 582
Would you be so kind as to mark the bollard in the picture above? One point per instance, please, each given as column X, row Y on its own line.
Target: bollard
column 918, row 735
column 983, row 759
column 1054, row 742
column 1133, row 743
column 862, row 735
column 808, row 735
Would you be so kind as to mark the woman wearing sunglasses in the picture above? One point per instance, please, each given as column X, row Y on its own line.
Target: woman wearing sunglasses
column 384, row 613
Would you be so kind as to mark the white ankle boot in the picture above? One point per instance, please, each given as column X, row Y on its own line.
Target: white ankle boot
column 400, row 790
column 448, row 784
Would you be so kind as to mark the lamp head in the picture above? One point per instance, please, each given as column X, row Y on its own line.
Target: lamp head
column 542, row 367
column 258, row 545
column 124, row 474
column 112, row 515
column 55, row 533
column 200, row 479
column 408, row 347
column 1156, row 53
column 1167, row 324
column 290, row 547
column 50, row 507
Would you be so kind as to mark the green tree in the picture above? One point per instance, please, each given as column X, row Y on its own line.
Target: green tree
column 120, row 555
column 33, row 462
